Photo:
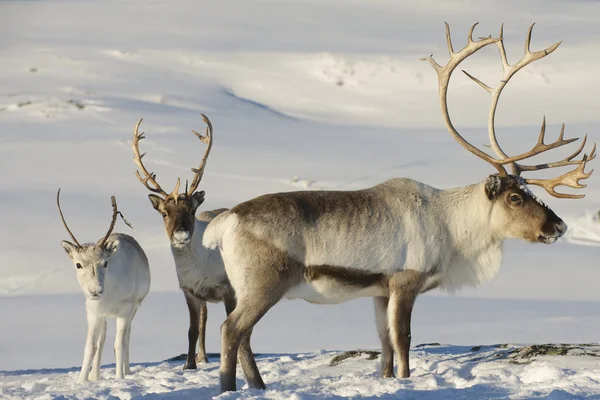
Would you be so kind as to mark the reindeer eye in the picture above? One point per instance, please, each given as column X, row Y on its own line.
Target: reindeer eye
column 78, row 266
column 515, row 198
column 106, row 264
column 164, row 215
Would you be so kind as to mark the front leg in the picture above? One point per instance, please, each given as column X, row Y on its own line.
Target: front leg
column 202, row 357
column 95, row 374
column 404, row 288
column 94, row 327
column 387, row 349
column 194, row 306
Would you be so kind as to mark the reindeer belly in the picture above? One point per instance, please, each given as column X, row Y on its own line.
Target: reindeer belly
column 324, row 284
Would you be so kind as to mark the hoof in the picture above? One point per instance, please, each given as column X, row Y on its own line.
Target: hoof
column 95, row 376
column 201, row 359
column 189, row 366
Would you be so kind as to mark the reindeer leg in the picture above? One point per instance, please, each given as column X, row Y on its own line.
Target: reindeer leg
column 194, row 310
column 404, row 288
column 126, row 369
column 202, row 357
column 245, row 354
column 95, row 374
column 120, row 345
column 94, row 327
column 236, row 329
column 387, row 349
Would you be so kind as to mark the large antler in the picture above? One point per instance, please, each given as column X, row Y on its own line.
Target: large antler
column 63, row 219
column 208, row 139
column 149, row 178
column 571, row 178
column 112, row 222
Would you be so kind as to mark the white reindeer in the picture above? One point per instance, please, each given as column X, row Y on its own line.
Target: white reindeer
column 200, row 271
column 115, row 277
column 392, row 241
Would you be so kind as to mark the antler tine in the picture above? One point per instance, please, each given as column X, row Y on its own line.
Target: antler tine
column 208, row 139
column 471, row 32
column 149, row 177
column 112, row 222
column 570, row 179
column 449, row 40
column 444, row 74
column 63, row 219
column 175, row 193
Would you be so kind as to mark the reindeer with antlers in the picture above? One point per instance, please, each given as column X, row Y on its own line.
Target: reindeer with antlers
column 115, row 277
column 200, row 271
column 392, row 241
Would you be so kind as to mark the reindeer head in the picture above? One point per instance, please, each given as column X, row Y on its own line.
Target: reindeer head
column 178, row 210
column 516, row 211
column 91, row 260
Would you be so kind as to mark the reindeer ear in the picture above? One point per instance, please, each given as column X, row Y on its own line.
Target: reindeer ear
column 493, row 186
column 111, row 247
column 197, row 199
column 156, row 201
column 69, row 248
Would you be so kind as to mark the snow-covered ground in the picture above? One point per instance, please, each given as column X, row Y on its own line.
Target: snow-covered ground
column 439, row 372
column 302, row 94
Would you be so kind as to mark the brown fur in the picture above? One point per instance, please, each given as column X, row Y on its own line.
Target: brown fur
column 346, row 276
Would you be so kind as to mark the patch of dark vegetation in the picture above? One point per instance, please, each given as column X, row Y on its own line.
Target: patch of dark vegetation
column 561, row 349
column 33, row 70
column 77, row 104
column 427, row 344
column 24, row 104
column 371, row 355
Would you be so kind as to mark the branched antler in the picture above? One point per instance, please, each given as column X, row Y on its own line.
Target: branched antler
column 571, row 178
column 208, row 139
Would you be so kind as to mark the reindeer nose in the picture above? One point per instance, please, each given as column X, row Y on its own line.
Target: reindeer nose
column 561, row 228
column 181, row 236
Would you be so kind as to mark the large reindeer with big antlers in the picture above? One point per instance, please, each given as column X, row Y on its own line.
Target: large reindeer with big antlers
column 392, row 241
column 115, row 277
column 200, row 271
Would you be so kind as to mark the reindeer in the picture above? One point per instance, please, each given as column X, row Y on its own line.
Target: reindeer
column 200, row 271
column 115, row 277
column 392, row 241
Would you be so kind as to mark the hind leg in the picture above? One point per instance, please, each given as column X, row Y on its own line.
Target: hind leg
column 260, row 275
column 245, row 354
column 235, row 335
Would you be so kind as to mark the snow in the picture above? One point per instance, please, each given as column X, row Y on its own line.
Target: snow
column 439, row 372
column 302, row 94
